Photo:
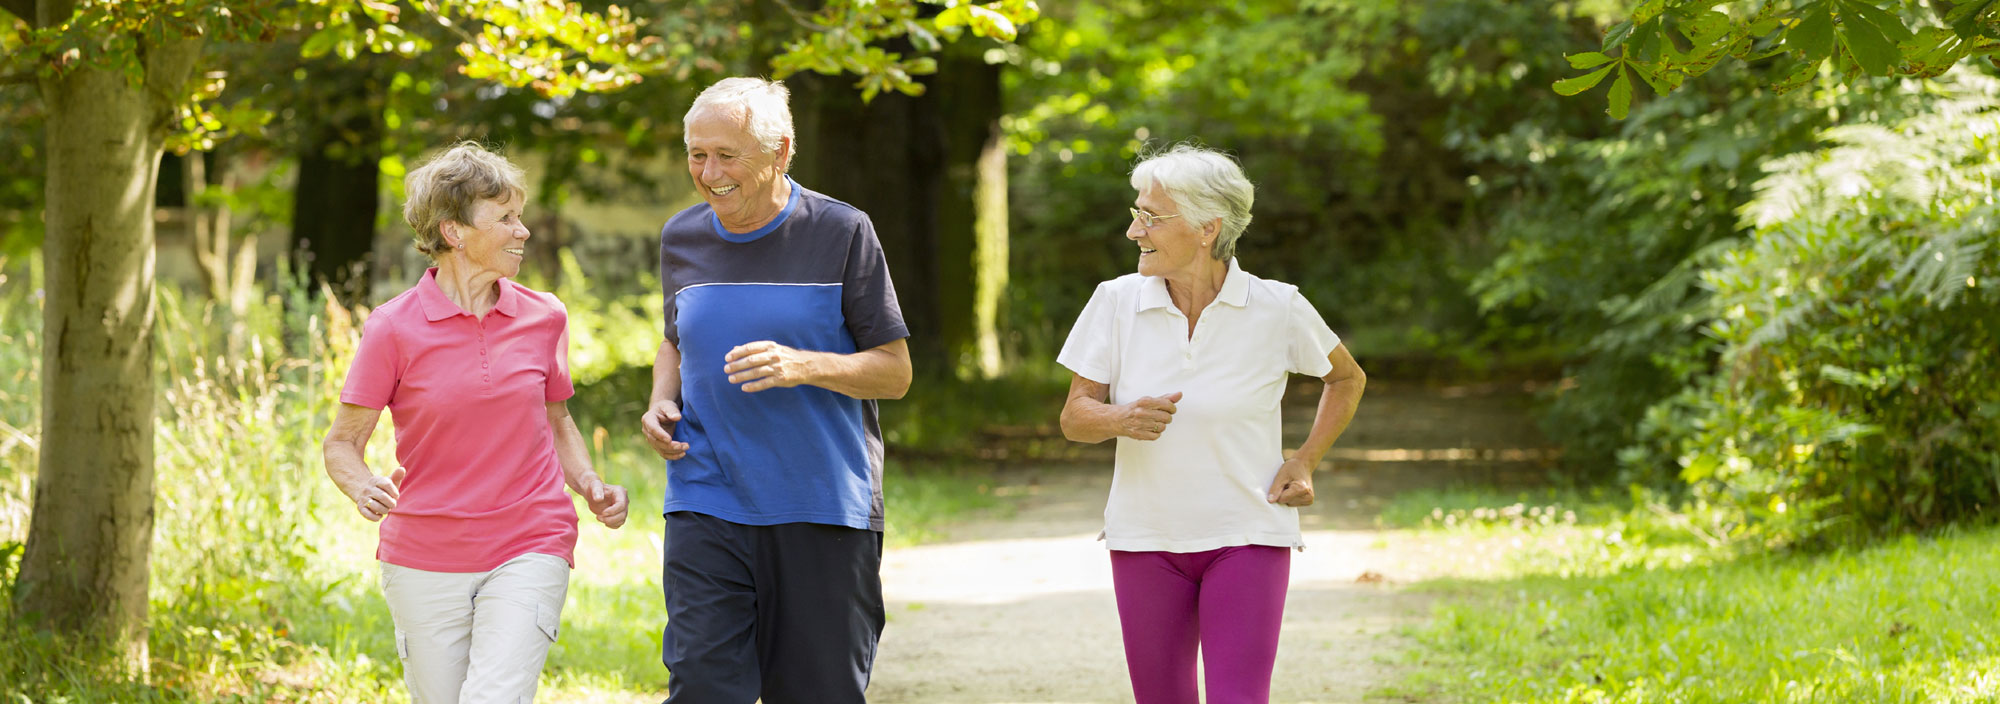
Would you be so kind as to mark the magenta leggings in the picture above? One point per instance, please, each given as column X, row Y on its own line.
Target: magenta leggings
column 1227, row 602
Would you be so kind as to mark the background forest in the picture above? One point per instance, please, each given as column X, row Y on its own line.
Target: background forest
column 1760, row 325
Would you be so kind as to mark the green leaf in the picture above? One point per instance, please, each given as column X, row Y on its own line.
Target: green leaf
column 1890, row 25
column 1646, row 40
column 1813, row 35
column 987, row 23
column 954, row 16
column 322, row 41
column 1868, row 45
column 1621, row 95
column 1968, row 19
column 1588, row 59
column 1617, row 34
column 1579, row 84
column 1651, row 76
column 1705, row 27
column 1934, row 51
column 1801, row 74
column 1648, row 10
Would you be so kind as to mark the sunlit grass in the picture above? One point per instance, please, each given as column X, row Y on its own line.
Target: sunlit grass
column 1652, row 617
column 264, row 583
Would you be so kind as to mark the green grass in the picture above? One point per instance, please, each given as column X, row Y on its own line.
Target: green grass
column 1660, row 616
column 264, row 586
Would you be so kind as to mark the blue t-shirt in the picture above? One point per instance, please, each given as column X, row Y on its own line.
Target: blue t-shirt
column 812, row 279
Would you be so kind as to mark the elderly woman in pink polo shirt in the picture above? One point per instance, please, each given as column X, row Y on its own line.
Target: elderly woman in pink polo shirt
column 1185, row 363
column 477, row 535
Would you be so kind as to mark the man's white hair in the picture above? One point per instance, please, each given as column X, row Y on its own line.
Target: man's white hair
column 1206, row 184
column 765, row 106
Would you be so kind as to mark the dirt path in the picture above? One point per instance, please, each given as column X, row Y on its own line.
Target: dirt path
column 1017, row 606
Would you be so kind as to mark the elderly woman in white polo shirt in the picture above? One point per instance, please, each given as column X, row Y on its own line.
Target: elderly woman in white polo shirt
column 1185, row 363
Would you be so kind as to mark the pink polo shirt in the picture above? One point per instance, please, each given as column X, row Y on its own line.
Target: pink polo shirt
column 468, row 398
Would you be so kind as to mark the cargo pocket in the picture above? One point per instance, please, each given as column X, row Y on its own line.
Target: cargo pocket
column 548, row 620
column 402, row 644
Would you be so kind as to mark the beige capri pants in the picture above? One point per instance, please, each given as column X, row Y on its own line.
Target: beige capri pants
column 476, row 637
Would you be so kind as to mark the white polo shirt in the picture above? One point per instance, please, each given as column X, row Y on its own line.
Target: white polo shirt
column 1201, row 485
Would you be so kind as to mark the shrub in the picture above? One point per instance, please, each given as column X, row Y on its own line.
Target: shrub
column 1855, row 331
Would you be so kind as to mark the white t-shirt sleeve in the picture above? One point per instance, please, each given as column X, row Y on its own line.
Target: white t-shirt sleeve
column 1309, row 339
column 1088, row 349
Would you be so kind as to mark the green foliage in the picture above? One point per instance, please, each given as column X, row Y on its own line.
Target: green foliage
column 1854, row 331
column 263, row 581
column 1360, row 122
column 607, row 332
column 21, row 148
column 1908, row 621
column 1604, row 240
column 1667, row 42
column 550, row 46
column 846, row 36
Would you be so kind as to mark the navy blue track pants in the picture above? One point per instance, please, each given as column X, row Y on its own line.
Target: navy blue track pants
column 788, row 613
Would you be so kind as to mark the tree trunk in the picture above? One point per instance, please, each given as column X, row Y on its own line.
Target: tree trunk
column 84, row 573
column 972, row 228
column 930, row 173
column 339, row 188
column 886, row 158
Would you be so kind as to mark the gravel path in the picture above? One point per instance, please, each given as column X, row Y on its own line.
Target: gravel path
column 1017, row 606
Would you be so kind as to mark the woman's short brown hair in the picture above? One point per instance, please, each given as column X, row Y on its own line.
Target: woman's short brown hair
column 449, row 185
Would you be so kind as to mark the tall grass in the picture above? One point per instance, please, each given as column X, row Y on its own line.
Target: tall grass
column 264, row 586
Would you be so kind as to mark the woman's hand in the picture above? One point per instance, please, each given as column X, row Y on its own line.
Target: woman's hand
column 1147, row 417
column 1294, row 485
column 607, row 501
column 378, row 495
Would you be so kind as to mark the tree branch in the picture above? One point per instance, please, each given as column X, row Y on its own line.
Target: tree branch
column 803, row 18
column 24, row 9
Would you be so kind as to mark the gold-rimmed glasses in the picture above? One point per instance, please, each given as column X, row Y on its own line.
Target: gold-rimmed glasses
column 1148, row 220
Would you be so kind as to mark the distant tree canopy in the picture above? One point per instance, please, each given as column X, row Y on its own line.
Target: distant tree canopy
column 1371, row 128
column 1666, row 42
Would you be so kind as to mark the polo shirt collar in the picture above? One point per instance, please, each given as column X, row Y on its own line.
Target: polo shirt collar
column 437, row 306
column 1235, row 290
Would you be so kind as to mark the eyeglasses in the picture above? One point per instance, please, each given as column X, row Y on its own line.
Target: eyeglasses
column 1148, row 220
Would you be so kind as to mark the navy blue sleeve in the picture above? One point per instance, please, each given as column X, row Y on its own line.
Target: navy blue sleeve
column 868, row 297
column 668, row 287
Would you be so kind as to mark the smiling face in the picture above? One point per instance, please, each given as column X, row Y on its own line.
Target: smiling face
column 496, row 239
column 742, row 182
column 1171, row 248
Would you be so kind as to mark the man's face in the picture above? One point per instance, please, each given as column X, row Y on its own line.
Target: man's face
column 733, row 172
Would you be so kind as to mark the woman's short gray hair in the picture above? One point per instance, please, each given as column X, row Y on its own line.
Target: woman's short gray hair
column 765, row 105
column 448, row 187
column 1206, row 184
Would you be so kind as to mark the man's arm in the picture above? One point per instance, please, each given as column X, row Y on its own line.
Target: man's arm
column 877, row 372
column 662, row 409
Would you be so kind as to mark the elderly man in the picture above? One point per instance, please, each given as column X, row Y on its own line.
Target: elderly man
column 781, row 330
